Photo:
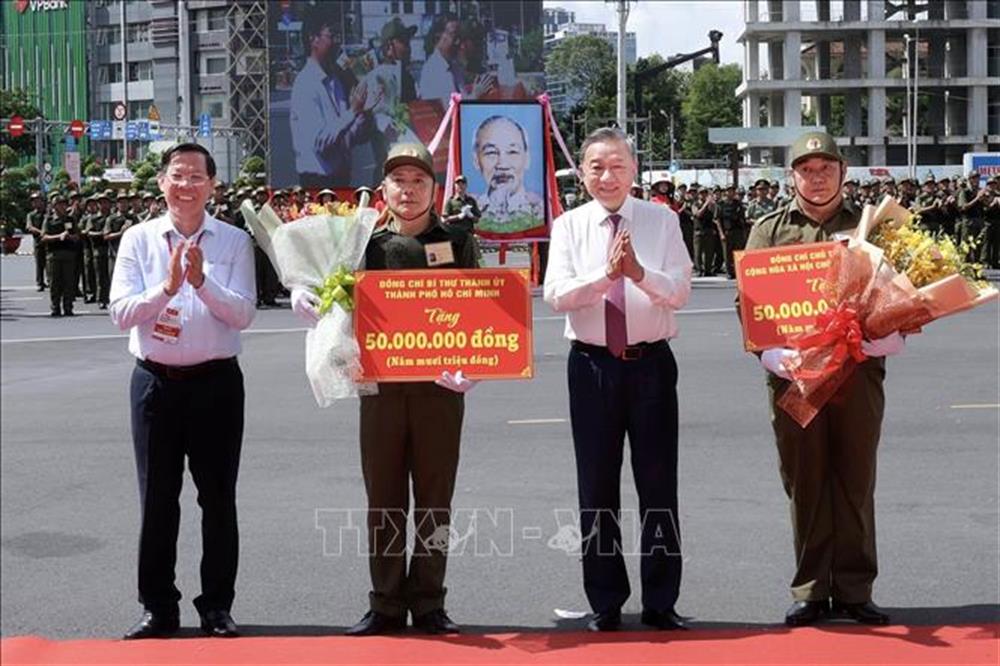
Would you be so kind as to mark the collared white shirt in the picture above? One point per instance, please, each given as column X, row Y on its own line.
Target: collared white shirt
column 319, row 119
column 576, row 281
column 437, row 81
column 212, row 315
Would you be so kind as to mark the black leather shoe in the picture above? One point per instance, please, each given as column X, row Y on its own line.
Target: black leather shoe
column 435, row 622
column 153, row 625
column 375, row 623
column 607, row 621
column 55, row 313
column 865, row 613
column 803, row 613
column 667, row 620
column 68, row 312
column 219, row 623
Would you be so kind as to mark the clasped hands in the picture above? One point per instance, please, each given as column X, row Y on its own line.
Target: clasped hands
column 782, row 362
column 622, row 260
column 179, row 270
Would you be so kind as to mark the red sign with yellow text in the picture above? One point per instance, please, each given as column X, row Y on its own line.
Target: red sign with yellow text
column 413, row 325
column 780, row 291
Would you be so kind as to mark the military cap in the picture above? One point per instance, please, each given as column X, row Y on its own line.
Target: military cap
column 75, row 194
column 148, row 195
column 994, row 180
column 775, row 183
column 36, row 195
column 395, row 29
column 973, row 174
column 716, row 188
column 730, row 187
column 946, row 179
column 409, row 154
column 364, row 188
column 852, row 181
column 260, row 190
column 57, row 198
column 929, row 180
column 298, row 189
column 134, row 194
column 865, row 185
column 460, row 178
column 761, row 182
column 814, row 144
column 326, row 191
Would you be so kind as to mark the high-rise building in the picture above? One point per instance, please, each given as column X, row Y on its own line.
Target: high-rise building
column 43, row 50
column 559, row 25
column 186, row 59
column 852, row 65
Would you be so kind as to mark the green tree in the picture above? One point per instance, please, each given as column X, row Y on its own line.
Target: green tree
column 583, row 64
column 710, row 102
column 18, row 102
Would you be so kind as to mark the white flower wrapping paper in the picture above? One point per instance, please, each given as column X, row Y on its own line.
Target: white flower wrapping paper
column 304, row 253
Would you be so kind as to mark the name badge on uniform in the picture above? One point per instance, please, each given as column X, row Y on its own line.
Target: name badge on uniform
column 68, row 226
column 439, row 254
column 168, row 325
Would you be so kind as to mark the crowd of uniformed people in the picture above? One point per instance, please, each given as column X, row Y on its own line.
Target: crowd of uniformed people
column 76, row 236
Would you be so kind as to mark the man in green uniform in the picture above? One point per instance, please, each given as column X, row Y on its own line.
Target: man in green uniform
column 971, row 204
column 33, row 224
column 94, row 234
column 760, row 205
column 774, row 194
column 707, row 234
column 732, row 217
column 991, row 255
column 462, row 209
column 928, row 206
column 61, row 235
column 87, row 267
column 828, row 467
column 410, row 432
column 115, row 225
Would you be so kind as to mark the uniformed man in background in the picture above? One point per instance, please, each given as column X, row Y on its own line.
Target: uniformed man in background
column 94, row 233
column 410, row 432
column 928, row 206
column 33, row 224
column 991, row 254
column 732, row 217
column 87, row 267
column 61, row 235
column 828, row 467
column 707, row 234
column 462, row 209
column 971, row 204
column 760, row 205
column 115, row 225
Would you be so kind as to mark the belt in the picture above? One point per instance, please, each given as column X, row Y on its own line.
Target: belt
column 181, row 372
column 630, row 353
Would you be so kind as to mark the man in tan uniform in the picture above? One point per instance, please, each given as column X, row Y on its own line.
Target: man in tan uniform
column 828, row 467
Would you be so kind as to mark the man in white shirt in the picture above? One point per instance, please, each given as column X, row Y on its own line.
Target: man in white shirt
column 330, row 114
column 619, row 269
column 183, row 287
column 439, row 77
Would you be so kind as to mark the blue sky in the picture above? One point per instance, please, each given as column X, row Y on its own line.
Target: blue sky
column 668, row 27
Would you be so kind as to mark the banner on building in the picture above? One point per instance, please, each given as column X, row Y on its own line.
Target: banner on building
column 348, row 79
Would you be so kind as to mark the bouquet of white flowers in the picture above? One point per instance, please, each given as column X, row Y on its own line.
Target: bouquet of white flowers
column 321, row 252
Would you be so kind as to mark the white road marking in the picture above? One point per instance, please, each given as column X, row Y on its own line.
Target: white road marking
column 5, row 299
column 535, row 421
column 987, row 406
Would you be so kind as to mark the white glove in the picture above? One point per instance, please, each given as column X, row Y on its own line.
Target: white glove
column 890, row 345
column 777, row 361
column 455, row 382
column 305, row 303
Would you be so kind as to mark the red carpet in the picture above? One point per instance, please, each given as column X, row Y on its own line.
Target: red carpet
column 964, row 645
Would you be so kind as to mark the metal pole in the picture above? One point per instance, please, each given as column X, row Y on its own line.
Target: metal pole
column 916, row 97
column 906, row 116
column 39, row 150
column 622, row 22
column 124, row 37
column 671, row 139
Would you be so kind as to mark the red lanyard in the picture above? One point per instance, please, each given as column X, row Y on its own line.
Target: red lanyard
column 170, row 245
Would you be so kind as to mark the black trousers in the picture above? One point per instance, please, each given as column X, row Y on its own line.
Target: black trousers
column 610, row 398
column 40, row 262
column 200, row 417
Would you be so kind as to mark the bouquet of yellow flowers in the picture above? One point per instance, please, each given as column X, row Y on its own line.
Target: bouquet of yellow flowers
column 321, row 251
column 888, row 276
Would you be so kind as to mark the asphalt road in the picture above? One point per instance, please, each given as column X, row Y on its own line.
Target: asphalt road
column 69, row 520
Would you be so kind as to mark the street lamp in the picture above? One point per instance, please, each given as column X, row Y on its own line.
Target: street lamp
column 907, row 125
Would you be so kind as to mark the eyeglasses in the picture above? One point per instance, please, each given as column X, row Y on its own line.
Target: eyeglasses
column 195, row 179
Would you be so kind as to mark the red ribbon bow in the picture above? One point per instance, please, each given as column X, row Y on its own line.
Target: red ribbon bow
column 839, row 330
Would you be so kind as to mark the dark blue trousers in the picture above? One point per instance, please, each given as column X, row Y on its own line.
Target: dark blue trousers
column 609, row 398
column 200, row 417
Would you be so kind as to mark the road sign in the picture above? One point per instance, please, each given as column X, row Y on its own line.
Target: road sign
column 76, row 129
column 674, row 167
column 71, row 162
column 154, row 113
column 131, row 130
column 121, row 111
column 118, row 130
column 143, row 130
column 154, row 129
column 47, row 167
column 100, row 130
column 204, row 125
column 71, row 145
column 16, row 126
